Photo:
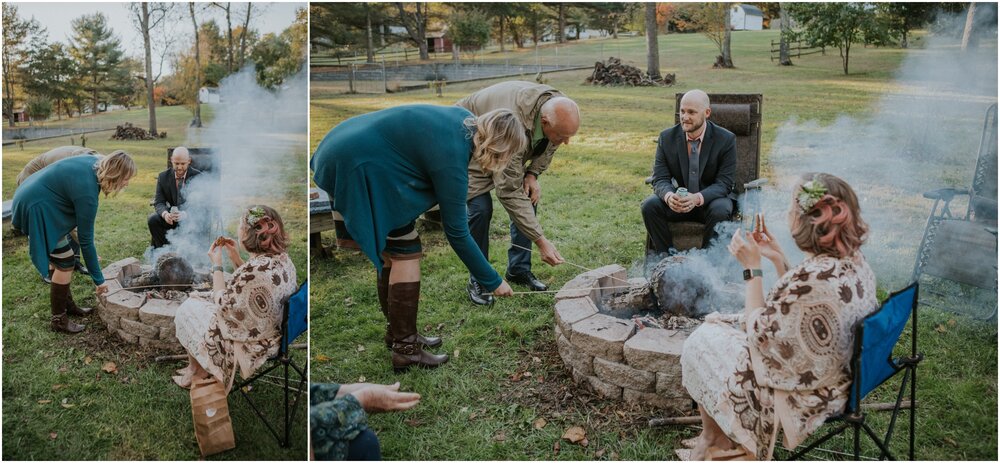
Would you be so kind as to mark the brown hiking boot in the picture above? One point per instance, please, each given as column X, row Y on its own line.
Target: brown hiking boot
column 60, row 321
column 407, row 350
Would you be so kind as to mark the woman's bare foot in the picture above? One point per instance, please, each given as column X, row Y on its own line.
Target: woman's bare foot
column 183, row 381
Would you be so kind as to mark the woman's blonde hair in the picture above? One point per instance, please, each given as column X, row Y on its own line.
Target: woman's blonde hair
column 262, row 231
column 497, row 136
column 113, row 171
column 827, row 216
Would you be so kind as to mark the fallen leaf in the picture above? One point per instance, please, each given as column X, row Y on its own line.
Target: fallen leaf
column 527, row 374
column 575, row 435
column 951, row 442
column 53, row 435
column 500, row 436
column 56, row 387
column 44, row 401
column 584, row 443
column 536, row 360
column 65, row 403
column 615, row 456
column 457, row 351
column 539, row 423
column 427, row 327
column 541, row 379
column 63, row 369
column 464, row 409
column 110, row 367
column 348, row 302
column 440, row 326
column 360, row 348
column 362, row 379
column 413, row 422
column 472, row 416
column 941, row 329
column 322, row 358
column 952, row 322
column 599, row 453
column 555, row 448
column 87, row 360
column 516, row 377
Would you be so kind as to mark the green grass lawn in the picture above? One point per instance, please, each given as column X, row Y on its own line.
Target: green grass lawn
column 472, row 408
column 58, row 404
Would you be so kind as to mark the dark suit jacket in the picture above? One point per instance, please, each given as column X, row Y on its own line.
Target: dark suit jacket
column 166, row 190
column 717, row 160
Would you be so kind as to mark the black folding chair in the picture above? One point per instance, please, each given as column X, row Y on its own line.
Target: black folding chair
column 294, row 322
column 872, row 364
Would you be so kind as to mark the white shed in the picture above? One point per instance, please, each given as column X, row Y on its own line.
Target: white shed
column 746, row 18
column 209, row 95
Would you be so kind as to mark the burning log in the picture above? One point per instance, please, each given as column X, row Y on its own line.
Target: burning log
column 131, row 132
column 613, row 72
column 681, row 289
column 170, row 270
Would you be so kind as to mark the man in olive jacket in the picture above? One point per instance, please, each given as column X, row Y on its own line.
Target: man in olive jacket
column 550, row 120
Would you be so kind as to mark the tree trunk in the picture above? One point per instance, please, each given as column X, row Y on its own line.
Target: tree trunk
column 8, row 96
column 561, row 37
column 501, row 34
column 845, row 52
column 229, row 36
column 652, row 44
column 970, row 20
column 150, row 101
column 243, row 35
column 369, row 43
column 197, row 72
column 786, row 26
column 727, row 54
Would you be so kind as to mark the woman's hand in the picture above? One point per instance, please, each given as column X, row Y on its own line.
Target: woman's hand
column 215, row 254
column 233, row 253
column 378, row 398
column 101, row 289
column 769, row 247
column 504, row 290
column 746, row 250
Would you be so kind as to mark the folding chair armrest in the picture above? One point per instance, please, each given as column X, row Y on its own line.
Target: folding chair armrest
column 945, row 194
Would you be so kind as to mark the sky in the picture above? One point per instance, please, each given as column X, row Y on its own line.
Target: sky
column 56, row 18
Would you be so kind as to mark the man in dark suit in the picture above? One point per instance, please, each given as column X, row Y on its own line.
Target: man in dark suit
column 696, row 155
column 170, row 193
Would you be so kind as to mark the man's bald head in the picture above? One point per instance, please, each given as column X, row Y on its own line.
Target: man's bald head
column 180, row 160
column 560, row 120
column 694, row 111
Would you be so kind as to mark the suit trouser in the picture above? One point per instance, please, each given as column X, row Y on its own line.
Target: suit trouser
column 657, row 216
column 480, row 210
column 158, row 230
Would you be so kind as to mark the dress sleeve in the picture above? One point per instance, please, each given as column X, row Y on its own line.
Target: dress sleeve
column 85, row 207
column 334, row 424
column 794, row 338
column 450, row 188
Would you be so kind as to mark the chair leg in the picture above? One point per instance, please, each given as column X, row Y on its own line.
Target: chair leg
column 288, row 426
column 836, row 432
column 878, row 442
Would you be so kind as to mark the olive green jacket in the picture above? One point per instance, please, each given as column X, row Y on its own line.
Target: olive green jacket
column 526, row 100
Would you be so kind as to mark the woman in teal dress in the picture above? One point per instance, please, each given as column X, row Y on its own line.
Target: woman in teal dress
column 384, row 169
column 49, row 204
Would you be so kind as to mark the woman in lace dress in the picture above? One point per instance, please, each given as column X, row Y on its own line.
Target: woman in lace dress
column 783, row 364
column 240, row 327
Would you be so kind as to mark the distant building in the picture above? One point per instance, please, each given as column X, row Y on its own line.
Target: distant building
column 209, row 95
column 746, row 18
column 438, row 42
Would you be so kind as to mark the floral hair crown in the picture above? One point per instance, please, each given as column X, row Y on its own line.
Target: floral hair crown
column 810, row 194
column 254, row 215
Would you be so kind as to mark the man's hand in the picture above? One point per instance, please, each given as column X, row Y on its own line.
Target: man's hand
column 550, row 255
column 167, row 217
column 504, row 290
column 532, row 188
column 377, row 398
column 682, row 205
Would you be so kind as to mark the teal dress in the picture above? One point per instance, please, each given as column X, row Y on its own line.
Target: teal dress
column 386, row 168
column 50, row 203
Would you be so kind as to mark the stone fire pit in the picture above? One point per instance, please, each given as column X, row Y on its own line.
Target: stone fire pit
column 617, row 358
column 143, row 316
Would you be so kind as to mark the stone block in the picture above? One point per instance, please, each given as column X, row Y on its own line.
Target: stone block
column 624, row 375
column 168, row 333
column 655, row 349
column 127, row 337
column 608, row 276
column 159, row 312
column 139, row 329
column 112, row 321
column 670, row 384
column 681, row 405
column 124, row 304
column 584, row 285
column 570, row 311
column 575, row 358
column 580, row 378
column 114, row 271
column 113, row 288
column 605, row 389
column 602, row 336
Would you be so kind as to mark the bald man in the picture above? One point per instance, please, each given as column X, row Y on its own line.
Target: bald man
column 550, row 120
column 170, row 193
column 696, row 155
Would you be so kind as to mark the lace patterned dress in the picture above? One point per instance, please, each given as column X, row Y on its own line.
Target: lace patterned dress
column 242, row 327
column 783, row 366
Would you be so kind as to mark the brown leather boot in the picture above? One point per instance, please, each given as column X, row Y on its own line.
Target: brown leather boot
column 383, row 301
column 407, row 350
column 60, row 321
column 73, row 309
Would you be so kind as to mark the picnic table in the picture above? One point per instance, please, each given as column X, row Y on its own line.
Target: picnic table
column 320, row 219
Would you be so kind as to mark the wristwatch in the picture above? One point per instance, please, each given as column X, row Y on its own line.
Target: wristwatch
column 217, row 268
column 749, row 273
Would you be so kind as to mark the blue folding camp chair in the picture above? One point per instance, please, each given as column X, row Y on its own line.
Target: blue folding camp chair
column 294, row 322
column 872, row 365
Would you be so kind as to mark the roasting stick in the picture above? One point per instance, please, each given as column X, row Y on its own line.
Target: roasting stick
column 143, row 287
column 553, row 291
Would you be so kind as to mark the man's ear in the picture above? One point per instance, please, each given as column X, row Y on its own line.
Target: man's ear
column 708, row 112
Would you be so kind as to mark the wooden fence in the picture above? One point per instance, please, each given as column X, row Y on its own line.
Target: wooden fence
column 796, row 49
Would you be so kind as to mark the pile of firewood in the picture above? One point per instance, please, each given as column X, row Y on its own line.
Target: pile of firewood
column 131, row 132
column 613, row 72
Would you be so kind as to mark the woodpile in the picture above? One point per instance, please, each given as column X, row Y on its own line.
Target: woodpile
column 613, row 72
column 131, row 132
